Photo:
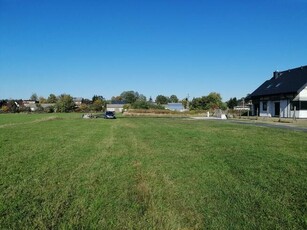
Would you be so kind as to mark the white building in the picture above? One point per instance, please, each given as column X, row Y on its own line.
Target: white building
column 284, row 95
column 115, row 107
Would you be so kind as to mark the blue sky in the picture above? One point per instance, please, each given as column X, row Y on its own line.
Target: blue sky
column 155, row 47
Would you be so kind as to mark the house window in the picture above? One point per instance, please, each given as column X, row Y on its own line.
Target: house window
column 303, row 105
column 295, row 104
column 264, row 105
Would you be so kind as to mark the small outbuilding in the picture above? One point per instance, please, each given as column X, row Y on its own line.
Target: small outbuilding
column 118, row 108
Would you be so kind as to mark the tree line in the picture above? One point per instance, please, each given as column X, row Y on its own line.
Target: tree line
column 131, row 99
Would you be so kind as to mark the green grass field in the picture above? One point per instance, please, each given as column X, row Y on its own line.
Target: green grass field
column 61, row 171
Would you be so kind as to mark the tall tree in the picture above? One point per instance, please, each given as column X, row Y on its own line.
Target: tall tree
column 116, row 99
column 86, row 101
column 42, row 100
column 65, row 104
column 96, row 97
column 185, row 103
column 3, row 102
column 34, row 97
column 232, row 103
column 52, row 98
column 142, row 98
column 173, row 98
column 98, row 103
column 129, row 96
column 212, row 101
column 161, row 100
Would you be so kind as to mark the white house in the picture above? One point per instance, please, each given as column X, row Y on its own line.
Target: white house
column 284, row 95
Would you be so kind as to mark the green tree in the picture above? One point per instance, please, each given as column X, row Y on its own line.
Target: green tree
column 173, row 98
column 86, row 101
column 212, row 101
column 98, row 105
column 34, row 97
column 116, row 99
column 199, row 103
column 5, row 108
column 42, row 100
column 52, row 98
column 142, row 98
column 140, row 104
column 65, row 104
column 161, row 100
column 129, row 96
column 96, row 97
column 232, row 103
column 49, row 109
column 39, row 108
column 3, row 102
column 185, row 102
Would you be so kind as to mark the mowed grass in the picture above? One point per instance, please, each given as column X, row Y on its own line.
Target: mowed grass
column 61, row 171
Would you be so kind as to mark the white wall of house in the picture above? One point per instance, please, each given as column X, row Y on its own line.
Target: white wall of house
column 270, row 112
column 302, row 96
column 299, row 114
column 284, row 108
column 265, row 113
column 302, row 114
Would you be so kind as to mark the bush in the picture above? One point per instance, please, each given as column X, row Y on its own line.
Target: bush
column 5, row 109
column 24, row 109
column 49, row 109
column 84, row 108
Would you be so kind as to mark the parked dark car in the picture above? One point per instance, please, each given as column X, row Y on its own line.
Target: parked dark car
column 109, row 115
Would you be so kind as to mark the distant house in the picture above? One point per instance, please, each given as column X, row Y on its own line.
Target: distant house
column 115, row 107
column 284, row 95
column 77, row 101
column 30, row 104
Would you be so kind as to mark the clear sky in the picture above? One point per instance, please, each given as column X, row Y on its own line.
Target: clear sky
column 181, row 47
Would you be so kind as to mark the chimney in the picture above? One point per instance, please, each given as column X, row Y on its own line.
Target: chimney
column 275, row 74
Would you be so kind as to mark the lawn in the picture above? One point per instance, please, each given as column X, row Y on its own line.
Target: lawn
column 61, row 171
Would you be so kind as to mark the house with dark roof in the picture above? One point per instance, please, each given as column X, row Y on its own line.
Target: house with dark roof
column 284, row 95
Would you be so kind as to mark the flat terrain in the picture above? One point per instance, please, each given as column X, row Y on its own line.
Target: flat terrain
column 61, row 171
